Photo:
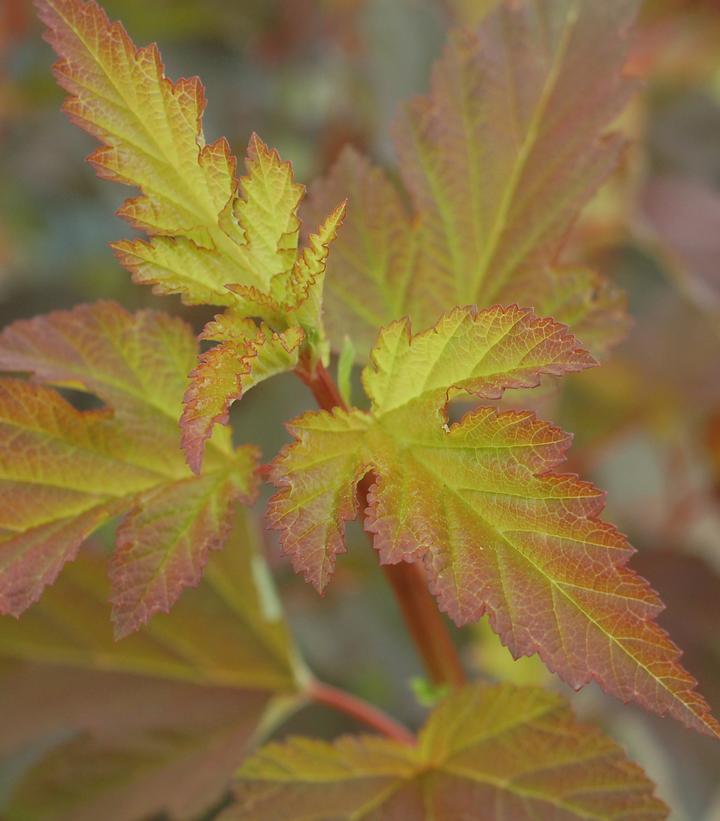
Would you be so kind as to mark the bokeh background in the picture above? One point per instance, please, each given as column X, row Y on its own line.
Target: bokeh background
column 312, row 75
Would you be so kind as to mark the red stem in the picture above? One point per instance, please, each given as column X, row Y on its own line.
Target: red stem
column 360, row 710
column 424, row 621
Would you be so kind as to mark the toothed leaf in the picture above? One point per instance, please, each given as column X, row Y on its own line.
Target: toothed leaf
column 497, row 159
column 479, row 503
column 63, row 472
column 226, row 372
column 214, row 239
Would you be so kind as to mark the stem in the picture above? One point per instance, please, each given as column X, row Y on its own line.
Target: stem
column 360, row 710
column 424, row 621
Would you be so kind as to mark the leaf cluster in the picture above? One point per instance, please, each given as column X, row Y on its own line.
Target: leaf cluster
column 495, row 163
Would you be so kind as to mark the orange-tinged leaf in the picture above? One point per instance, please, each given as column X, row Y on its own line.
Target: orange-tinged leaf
column 479, row 504
column 226, row 372
column 63, row 472
column 166, row 538
column 486, row 753
column 373, row 258
column 317, row 478
column 497, row 159
column 103, row 716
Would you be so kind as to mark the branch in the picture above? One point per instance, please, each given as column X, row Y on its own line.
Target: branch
column 360, row 710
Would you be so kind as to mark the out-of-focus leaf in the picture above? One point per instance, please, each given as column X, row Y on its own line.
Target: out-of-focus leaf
column 486, row 753
column 154, row 723
column 498, row 159
column 685, row 217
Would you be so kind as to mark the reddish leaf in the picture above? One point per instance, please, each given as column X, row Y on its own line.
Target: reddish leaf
column 478, row 502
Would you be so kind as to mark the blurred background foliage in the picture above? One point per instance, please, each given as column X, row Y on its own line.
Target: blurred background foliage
column 312, row 75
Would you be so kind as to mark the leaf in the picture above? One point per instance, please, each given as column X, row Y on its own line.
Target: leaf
column 164, row 541
column 478, row 502
column 150, row 127
column 306, row 282
column 156, row 723
column 268, row 210
column 485, row 753
column 497, row 160
column 63, row 472
column 214, row 239
column 225, row 373
column 690, row 586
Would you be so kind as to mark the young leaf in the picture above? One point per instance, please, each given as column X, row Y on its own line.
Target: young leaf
column 485, row 753
column 478, row 503
column 150, row 127
column 497, row 159
column 63, row 471
column 228, row 371
column 213, row 239
column 264, row 213
column 103, row 716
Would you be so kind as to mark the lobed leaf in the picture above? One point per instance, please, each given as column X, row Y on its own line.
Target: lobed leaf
column 228, row 371
column 479, row 504
column 497, row 160
column 214, row 239
column 150, row 127
column 485, row 753
column 63, row 472
column 102, row 716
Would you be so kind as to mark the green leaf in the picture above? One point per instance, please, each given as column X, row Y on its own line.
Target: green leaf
column 479, row 504
column 151, row 128
column 497, row 159
column 156, row 723
column 214, row 239
column 485, row 753
column 63, row 472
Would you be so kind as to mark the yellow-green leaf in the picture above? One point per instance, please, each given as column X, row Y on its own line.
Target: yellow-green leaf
column 214, row 239
column 486, row 753
column 479, row 504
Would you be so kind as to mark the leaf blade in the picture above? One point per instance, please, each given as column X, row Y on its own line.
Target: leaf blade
column 64, row 472
column 458, row 770
column 481, row 505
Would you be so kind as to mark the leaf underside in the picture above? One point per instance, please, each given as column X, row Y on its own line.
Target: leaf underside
column 486, row 753
column 497, row 160
column 480, row 504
